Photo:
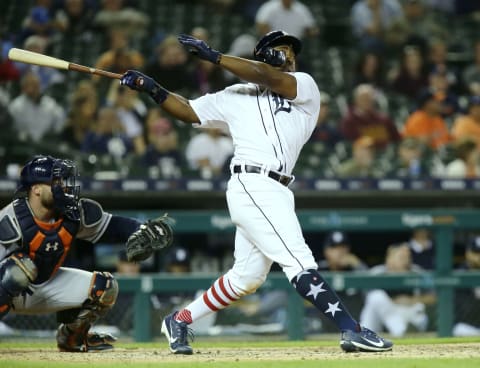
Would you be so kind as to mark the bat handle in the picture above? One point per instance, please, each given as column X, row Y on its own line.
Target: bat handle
column 86, row 69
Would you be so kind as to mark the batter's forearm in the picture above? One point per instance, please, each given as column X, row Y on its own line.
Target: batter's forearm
column 179, row 107
column 249, row 70
column 262, row 74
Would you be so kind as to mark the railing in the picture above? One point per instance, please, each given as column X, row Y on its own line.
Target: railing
column 443, row 223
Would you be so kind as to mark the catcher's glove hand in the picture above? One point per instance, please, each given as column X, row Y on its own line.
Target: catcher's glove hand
column 151, row 236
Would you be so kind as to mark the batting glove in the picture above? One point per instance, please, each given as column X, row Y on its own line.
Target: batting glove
column 271, row 56
column 200, row 48
column 143, row 83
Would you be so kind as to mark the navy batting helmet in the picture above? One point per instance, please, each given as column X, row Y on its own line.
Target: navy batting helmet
column 276, row 38
column 60, row 174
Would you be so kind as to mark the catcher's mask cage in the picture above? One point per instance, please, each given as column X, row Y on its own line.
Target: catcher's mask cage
column 272, row 39
column 61, row 174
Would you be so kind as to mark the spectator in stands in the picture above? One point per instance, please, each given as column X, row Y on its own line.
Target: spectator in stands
column 438, row 61
column 38, row 22
column 467, row 301
column 162, row 154
column 170, row 65
column 291, row 16
column 422, row 248
column 471, row 73
column 131, row 112
column 107, row 136
column 468, row 126
column 208, row 152
column 8, row 69
column 396, row 310
column 208, row 78
column 427, row 123
column 410, row 161
column 81, row 115
column 118, row 14
column 372, row 20
column 369, row 70
column 467, row 162
column 35, row 116
column 411, row 76
column 120, row 56
column 362, row 163
column 242, row 46
column 418, row 25
column 364, row 119
column 326, row 131
column 440, row 85
column 47, row 76
column 75, row 18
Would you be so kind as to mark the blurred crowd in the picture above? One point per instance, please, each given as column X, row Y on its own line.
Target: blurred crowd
column 404, row 100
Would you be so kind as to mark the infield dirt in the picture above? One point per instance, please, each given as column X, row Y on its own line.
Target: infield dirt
column 459, row 350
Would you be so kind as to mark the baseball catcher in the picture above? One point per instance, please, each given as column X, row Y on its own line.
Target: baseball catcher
column 37, row 231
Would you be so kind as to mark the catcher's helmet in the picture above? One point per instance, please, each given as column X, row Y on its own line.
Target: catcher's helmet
column 276, row 38
column 60, row 174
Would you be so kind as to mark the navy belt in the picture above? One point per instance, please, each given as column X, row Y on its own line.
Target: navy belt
column 282, row 179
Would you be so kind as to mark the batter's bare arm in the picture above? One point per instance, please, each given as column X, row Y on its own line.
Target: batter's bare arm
column 251, row 71
column 172, row 103
column 260, row 73
column 179, row 107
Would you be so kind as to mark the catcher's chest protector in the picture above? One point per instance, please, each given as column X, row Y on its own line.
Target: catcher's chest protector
column 46, row 244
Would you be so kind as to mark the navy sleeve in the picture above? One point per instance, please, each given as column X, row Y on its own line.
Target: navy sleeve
column 119, row 229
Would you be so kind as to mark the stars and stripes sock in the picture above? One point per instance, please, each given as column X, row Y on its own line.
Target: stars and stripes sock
column 313, row 287
column 219, row 296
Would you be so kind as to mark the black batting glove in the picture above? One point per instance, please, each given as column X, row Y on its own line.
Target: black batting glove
column 271, row 56
column 143, row 83
column 200, row 48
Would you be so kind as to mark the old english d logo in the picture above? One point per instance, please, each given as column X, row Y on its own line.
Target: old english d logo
column 281, row 104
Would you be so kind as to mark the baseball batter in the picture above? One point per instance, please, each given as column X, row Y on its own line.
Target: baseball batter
column 36, row 232
column 270, row 119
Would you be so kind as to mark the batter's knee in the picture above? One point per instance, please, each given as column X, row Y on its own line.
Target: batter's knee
column 104, row 289
column 246, row 284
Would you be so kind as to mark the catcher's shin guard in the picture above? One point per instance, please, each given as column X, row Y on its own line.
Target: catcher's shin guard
column 72, row 334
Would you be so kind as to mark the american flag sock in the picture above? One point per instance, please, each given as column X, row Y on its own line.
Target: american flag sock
column 313, row 287
column 219, row 296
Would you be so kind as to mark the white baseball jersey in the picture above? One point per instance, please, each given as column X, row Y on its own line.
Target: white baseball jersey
column 266, row 128
column 268, row 131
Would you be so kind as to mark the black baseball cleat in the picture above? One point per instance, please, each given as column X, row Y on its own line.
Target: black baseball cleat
column 100, row 341
column 177, row 334
column 69, row 341
column 364, row 340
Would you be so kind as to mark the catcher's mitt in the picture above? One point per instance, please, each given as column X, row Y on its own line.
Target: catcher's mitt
column 151, row 236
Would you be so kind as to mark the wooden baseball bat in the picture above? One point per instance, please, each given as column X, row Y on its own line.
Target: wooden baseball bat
column 35, row 58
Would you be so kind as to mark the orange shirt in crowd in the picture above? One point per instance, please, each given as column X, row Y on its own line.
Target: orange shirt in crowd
column 466, row 127
column 429, row 129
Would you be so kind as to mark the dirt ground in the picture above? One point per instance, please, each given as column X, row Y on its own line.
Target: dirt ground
column 467, row 350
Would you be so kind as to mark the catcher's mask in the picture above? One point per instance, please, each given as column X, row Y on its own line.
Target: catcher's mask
column 264, row 52
column 61, row 174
